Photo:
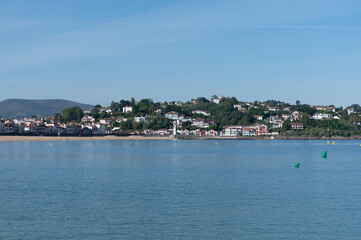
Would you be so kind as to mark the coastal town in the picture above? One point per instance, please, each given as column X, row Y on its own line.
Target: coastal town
column 224, row 117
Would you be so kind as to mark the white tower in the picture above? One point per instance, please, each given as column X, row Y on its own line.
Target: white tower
column 174, row 128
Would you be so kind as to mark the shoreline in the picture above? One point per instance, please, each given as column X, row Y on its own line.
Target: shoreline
column 276, row 137
column 7, row 138
column 10, row 138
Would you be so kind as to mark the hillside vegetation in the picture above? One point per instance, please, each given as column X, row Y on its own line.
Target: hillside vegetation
column 20, row 108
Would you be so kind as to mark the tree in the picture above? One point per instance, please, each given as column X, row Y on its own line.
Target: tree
column 202, row 100
column 147, row 101
column 114, row 106
column 96, row 109
column 57, row 117
column 132, row 101
column 308, row 109
column 214, row 97
column 142, row 107
column 272, row 103
column 298, row 103
column 72, row 114
column 124, row 103
column 286, row 125
column 33, row 116
column 127, row 125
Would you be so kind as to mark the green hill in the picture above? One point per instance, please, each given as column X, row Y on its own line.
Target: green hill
column 20, row 108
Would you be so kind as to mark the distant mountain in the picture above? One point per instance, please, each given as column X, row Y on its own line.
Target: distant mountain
column 20, row 108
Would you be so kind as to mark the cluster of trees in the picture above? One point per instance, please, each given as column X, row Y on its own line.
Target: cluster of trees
column 73, row 114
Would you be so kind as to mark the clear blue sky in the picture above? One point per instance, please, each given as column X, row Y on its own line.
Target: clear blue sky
column 96, row 51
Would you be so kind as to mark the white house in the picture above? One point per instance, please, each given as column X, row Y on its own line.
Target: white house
column 87, row 118
column 127, row 109
column 296, row 125
column 140, row 119
column 107, row 110
column 249, row 131
column 172, row 115
column 252, row 130
column 350, row 111
column 211, row 133
column 287, row 109
column 257, row 129
column 181, row 117
column 178, row 103
column 272, row 118
column 201, row 112
column 232, row 132
column 330, row 109
column 187, row 119
column 273, row 109
column 183, row 132
column 286, row 116
column 319, row 116
column 258, row 117
column 216, row 101
column 162, row 132
column 106, row 121
column 295, row 115
column 319, row 107
column 261, row 129
column 200, row 122
column 119, row 120
column 277, row 123
column 239, row 107
column 115, row 129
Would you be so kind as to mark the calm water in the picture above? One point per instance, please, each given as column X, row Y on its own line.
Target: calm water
column 180, row 190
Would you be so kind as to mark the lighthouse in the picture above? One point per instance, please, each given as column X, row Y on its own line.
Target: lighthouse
column 174, row 128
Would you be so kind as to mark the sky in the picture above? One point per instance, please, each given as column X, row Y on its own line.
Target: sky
column 96, row 51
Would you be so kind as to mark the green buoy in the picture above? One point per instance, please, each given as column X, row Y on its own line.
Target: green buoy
column 324, row 154
column 297, row 165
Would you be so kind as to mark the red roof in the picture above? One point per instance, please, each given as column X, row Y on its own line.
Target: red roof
column 199, row 119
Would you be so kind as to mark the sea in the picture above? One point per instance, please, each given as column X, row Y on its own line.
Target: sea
column 180, row 189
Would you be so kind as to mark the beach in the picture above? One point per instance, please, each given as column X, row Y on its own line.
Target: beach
column 10, row 138
column 74, row 138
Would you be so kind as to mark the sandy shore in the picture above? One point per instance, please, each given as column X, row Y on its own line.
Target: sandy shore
column 64, row 138
column 140, row 137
